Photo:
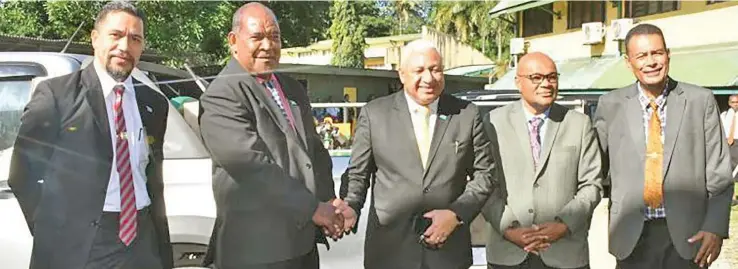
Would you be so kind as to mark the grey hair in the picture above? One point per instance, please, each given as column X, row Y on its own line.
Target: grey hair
column 415, row 46
column 236, row 23
column 119, row 6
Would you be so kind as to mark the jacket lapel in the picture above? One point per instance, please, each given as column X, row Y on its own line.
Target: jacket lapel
column 96, row 101
column 555, row 117
column 287, row 89
column 675, row 103
column 405, row 124
column 634, row 118
column 443, row 117
column 519, row 125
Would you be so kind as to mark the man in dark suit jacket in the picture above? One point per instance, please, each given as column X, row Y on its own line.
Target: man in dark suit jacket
column 272, row 177
column 421, row 146
column 87, row 165
column 668, row 163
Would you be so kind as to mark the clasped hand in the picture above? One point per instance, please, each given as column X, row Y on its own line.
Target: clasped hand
column 335, row 217
column 538, row 237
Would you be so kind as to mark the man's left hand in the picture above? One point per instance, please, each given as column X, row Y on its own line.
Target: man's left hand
column 710, row 249
column 444, row 222
column 549, row 231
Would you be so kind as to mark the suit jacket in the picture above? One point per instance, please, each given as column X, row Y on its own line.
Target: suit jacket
column 697, row 182
column 385, row 145
column 566, row 186
column 268, row 177
column 60, row 168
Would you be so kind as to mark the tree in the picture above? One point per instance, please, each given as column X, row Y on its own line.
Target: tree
column 347, row 32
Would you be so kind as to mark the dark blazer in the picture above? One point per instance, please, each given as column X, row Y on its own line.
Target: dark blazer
column 385, row 145
column 698, row 185
column 267, row 177
column 60, row 168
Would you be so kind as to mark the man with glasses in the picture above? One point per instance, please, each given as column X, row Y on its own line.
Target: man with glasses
column 668, row 163
column 551, row 161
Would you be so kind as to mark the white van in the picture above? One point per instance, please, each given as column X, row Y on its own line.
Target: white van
column 187, row 166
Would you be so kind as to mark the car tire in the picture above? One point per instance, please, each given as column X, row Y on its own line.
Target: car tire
column 187, row 255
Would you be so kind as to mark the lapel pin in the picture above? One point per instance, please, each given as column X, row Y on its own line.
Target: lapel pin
column 149, row 109
column 72, row 129
column 443, row 117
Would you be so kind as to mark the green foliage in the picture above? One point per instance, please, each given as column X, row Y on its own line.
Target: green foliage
column 22, row 18
column 347, row 32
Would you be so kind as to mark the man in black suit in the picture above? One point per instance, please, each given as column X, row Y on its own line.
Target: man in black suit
column 272, row 177
column 87, row 164
column 427, row 159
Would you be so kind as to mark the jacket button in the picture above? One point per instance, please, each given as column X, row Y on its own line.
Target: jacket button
column 94, row 223
column 535, row 185
column 426, row 190
column 530, row 211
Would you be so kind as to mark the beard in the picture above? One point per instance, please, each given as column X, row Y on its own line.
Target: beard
column 117, row 73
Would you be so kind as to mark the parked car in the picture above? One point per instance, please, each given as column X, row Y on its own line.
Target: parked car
column 187, row 166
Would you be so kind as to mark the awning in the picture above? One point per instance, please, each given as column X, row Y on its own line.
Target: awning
column 707, row 66
column 512, row 6
column 575, row 73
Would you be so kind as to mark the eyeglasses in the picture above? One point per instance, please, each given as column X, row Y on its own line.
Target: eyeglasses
column 538, row 78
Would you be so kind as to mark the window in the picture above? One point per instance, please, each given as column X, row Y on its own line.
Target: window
column 14, row 94
column 714, row 1
column 538, row 20
column 584, row 12
column 644, row 8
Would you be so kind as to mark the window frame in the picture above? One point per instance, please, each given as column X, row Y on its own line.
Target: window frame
column 537, row 17
column 659, row 10
column 591, row 5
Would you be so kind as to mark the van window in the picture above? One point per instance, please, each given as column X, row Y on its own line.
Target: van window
column 14, row 95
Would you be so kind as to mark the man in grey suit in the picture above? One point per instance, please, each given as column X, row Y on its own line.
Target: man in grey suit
column 551, row 161
column 272, row 177
column 87, row 164
column 668, row 161
column 421, row 146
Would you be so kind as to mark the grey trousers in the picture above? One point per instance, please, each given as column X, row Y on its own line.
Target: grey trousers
column 109, row 252
column 655, row 250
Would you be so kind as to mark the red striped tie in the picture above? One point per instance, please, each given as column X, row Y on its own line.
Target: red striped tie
column 127, row 227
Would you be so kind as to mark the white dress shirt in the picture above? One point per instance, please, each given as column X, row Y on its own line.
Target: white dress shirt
column 541, row 129
column 725, row 118
column 138, row 149
column 417, row 116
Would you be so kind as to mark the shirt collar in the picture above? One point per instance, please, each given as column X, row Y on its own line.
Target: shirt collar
column 660, row 100
column 261, row 80
column 529, row 116
column 107, row 82
column 414, row 107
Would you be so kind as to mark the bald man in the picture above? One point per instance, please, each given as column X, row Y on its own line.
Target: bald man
column 421, row 145
column 272, row 176
column 551, row 163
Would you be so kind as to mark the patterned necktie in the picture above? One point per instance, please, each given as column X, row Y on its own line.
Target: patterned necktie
column 534, row 133
column 127, row 219
column 652, row 191
column 278, row 99
column 423, row 134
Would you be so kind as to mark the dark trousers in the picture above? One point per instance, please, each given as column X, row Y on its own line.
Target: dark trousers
column 307, row 261
column 531, row 262
column 655, row 250
column 110, row 253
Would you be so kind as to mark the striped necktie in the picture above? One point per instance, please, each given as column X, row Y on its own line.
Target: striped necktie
column 127, row 218
column 278, row 99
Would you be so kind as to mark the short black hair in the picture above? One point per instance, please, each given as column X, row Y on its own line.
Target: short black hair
column 643, row 29
column 119, row 6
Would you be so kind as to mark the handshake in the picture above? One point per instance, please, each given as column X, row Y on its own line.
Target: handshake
column 335, row 217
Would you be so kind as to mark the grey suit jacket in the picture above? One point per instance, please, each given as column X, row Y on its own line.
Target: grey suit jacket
column 268, row 177
column 61, row 163
column 567, row 185
column 697, row 180
column 385, row 145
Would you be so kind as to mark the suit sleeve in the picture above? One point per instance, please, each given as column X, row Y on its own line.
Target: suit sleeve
column 33, row 147
column 229, row 131
column 495, row 210
column 322, row 162
column 718, row 174
column 361, row 166
column 578, row 212
column 482, row 182
column 601, row 128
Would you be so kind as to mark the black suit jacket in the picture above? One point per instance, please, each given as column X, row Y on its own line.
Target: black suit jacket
column 61, row 163
column 268, row 177
column 458, row 177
